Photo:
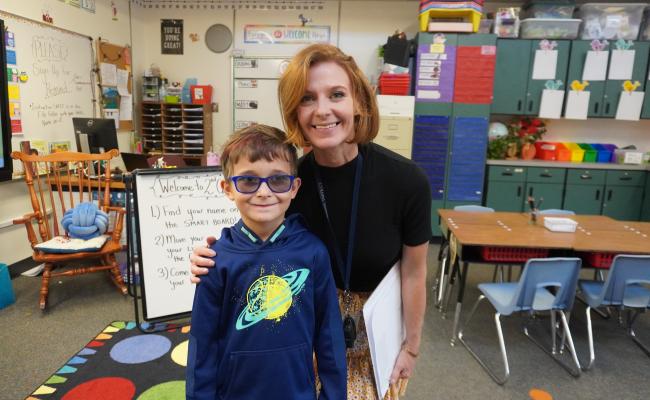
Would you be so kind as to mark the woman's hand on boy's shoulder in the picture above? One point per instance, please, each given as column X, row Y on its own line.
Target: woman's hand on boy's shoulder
column 202, row 257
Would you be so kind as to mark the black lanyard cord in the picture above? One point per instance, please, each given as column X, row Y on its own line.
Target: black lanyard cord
column 344, row 268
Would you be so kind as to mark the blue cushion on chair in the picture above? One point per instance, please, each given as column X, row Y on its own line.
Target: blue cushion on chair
column 62, row 244
column 501, row 296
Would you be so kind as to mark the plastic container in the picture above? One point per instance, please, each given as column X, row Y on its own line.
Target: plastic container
column 395, row 84
column 590, row 153
column 577, row 153
column 506, row 22
column 7, row 296
column 511, row 254
column 610, row 20
column 633, row 157
column 545, row 151
column 562, row 153
column 201, row 94
column 604, row 153
column 549, row 9
column 599, row 260
column 559, row 224
column 549, row 28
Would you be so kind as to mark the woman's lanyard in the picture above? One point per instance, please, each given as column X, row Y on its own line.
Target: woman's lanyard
column 349, row 328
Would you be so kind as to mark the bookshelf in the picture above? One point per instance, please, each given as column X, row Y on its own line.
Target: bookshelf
column 176, row 129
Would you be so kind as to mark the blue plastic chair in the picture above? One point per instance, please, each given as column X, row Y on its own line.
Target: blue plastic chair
column 531, row 294
column 622, row 289
column 440, row 283
column 556, row 211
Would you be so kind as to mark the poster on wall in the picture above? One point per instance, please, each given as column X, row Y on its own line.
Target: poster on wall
column 436, row 68
column 171, row 36
column 286, row 34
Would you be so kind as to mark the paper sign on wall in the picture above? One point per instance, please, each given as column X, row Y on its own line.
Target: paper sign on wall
column 551, row 104
column 595, row 66
column 577, row 104
column 545, row 64
column 629, row 106
column 621, row 65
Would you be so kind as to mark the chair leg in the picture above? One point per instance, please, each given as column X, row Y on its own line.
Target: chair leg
column 45, row 281
column 441, row 277
column 630, row 331
column 116, row 277
column 590, row 336
column 502, row 345
column 553, row 355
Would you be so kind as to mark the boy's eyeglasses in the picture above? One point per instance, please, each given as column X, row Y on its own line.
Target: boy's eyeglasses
column 248, row 184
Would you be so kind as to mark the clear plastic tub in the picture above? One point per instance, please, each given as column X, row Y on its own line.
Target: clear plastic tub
column 558, row 224
column 548, row 9
column 610, row 20
column 548, row 28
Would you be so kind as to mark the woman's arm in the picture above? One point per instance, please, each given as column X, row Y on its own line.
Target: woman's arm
column 414, row 299
column 201, row 257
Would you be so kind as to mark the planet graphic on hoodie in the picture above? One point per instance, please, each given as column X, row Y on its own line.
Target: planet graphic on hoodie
column 270, row 297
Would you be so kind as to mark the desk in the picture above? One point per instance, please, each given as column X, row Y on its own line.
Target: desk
column 595, row 233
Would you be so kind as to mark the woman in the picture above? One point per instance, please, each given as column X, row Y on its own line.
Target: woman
column 359, row 198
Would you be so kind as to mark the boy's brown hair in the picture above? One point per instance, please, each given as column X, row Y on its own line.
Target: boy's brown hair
column 257, row 142
column 293, row 82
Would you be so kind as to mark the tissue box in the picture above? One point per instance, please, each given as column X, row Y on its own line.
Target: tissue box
column 6, row 289
column 557, row 224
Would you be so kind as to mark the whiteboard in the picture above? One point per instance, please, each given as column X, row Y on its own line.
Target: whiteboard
column 60, row 80
column 175, row 209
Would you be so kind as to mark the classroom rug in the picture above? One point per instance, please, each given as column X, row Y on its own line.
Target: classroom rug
column 122, row 363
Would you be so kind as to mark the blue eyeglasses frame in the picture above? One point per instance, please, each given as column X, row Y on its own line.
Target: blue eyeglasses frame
column 236, row 178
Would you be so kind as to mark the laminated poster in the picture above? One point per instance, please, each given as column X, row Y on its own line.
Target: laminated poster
column 577, row 104
column 629, row 106
column 621, row 65
column 545, row 65
column 551, row 104
column 595, row 66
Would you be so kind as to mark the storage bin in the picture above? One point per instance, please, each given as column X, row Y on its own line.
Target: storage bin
column 599, row 260
column 201, row 94
column 562, row 153
column 605, row 152
column 577, row 153
column 590, row 153
column 395, row 84
column 506, row 22
column 511, row 254
column 549, row 9
column 7, row 296
column 610, row 20
column 545, row 151
column 622, row 156
column 549, row 28
column 558, row 224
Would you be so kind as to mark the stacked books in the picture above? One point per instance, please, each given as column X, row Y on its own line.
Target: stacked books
column 451, row 15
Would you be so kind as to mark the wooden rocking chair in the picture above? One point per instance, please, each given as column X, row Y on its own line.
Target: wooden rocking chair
column 52, row 180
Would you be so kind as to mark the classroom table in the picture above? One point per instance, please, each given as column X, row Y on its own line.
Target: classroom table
column 473, row 230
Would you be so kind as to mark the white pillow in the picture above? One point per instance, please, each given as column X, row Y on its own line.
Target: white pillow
column 62, row 244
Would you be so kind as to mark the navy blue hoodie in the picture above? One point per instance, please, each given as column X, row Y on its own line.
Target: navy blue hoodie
column 261, row 313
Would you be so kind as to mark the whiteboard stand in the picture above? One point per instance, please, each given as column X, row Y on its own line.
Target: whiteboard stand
column 169, row 211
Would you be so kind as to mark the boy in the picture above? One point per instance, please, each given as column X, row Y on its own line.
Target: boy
column 270, row 302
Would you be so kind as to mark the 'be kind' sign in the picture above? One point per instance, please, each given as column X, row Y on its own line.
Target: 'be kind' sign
column 171, row 36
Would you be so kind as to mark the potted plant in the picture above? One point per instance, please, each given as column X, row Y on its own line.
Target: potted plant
column 527, row 130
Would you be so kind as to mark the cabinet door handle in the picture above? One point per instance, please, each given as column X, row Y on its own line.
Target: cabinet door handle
column 506, row 173
column 607, row 108
column 598, row 194
column 609, row 195
column 519, row 105
column 546, row 175
column 596, row 105
column 585, row 176
column 530, row 106
column 530, row 191
column 625, row 178
column 518, row 191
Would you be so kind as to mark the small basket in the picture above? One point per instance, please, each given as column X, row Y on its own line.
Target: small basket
column 599, row 260
column 511, row 254
column 558, row 224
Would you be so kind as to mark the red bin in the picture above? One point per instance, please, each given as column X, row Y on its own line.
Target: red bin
column 201, row 94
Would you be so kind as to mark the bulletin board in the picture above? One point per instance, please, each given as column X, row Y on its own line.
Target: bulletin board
column 50, row 81
column 109, row 55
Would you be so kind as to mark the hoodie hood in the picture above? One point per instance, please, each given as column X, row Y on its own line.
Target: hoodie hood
column 240, row 238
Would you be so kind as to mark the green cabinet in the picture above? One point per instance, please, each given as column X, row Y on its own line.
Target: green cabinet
column 546, row 185
column 584, row 191
column 623, row 195
column 505, row 191
column 605, row 95
column 515, row 92
column 645, row 210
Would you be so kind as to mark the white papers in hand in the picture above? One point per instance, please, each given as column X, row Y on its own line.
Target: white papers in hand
column 385, row 327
